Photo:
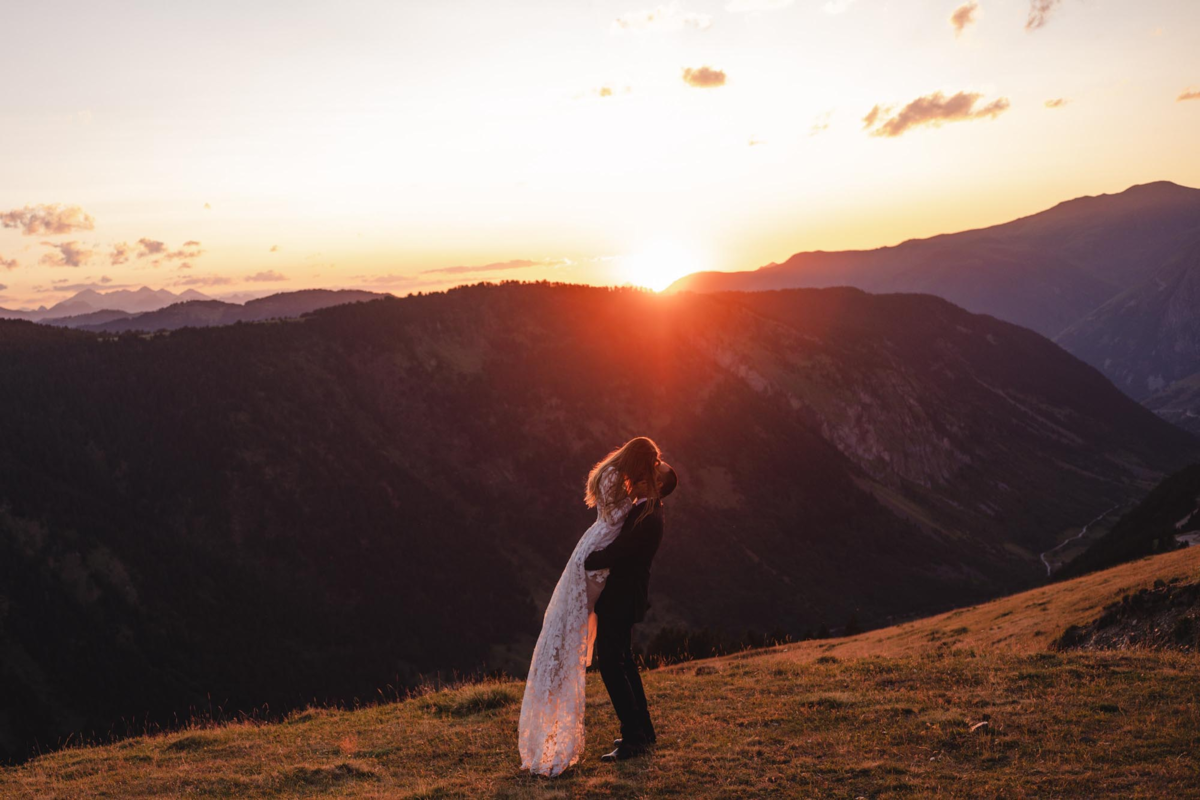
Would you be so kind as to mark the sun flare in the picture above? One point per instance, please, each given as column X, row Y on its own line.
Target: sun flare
column 661, row 263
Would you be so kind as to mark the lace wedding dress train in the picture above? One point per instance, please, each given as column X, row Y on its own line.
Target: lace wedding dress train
column 550, row 735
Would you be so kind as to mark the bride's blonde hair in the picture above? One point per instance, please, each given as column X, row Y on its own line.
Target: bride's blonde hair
column 634, row 461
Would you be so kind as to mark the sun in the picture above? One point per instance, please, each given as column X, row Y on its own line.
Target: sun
column 660, row 264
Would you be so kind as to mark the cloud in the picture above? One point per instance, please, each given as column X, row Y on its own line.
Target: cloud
column 70, row 254
column 1039, row 13
column 8, row 263
column 395, row 280
column 670, row 17
column 935, row 110
column 496, row 267
column 964, row 16
column 1188, row 94
column 1057, row 102
column 104, row 283
column 185, row 265
column 203, row 280
column 756, row 142
column 48, row 220
column 820, row 123
column 704, row 77
column 208, row 206
column 266, row 276
column 153, row 247
column 190, row 249
column 274, row 248
column 150, row 247
column 605, row 91
column 120, row 253
column 742, row 6
column 3, row 287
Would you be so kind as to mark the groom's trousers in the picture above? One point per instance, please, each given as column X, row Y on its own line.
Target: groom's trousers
column 619, row 670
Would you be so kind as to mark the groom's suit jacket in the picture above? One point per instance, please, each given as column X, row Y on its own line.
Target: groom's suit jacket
column 627, row 591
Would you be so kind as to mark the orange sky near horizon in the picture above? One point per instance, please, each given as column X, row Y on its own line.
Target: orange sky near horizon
column 271, row 146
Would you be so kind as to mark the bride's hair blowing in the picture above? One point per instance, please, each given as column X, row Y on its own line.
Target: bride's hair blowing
column 635, row 461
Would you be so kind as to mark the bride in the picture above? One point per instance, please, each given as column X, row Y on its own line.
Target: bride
column 551, row 727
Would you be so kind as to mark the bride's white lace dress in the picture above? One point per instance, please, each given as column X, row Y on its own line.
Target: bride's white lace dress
column 551, row 728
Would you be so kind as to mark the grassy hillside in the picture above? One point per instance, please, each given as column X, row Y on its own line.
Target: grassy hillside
column 893, row 712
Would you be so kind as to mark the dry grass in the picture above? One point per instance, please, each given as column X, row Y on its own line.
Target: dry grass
column 890, row 713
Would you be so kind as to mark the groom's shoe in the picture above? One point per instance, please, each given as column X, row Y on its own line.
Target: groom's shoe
column 623, row 753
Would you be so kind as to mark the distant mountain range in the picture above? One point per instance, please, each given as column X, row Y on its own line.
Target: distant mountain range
column 207, row 313
column 90, row 301
column 1115, row 279
column 150, row 310
column 267, row 514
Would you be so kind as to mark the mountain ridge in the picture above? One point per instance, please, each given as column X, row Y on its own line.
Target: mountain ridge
column 1089, row 273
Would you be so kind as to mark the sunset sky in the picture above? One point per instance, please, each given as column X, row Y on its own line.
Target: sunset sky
column 402, row 146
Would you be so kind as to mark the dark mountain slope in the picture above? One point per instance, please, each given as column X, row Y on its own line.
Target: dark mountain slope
column 1172, row 509
column 1147, row 337
column 1179, row 403
column 268, row 513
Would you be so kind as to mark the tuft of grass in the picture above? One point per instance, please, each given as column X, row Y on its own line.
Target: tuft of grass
column 470, row 700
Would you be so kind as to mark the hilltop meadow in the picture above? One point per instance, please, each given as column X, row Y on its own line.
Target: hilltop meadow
column 971, row 703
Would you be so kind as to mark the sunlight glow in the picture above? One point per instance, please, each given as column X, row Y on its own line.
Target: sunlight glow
column 661, row 263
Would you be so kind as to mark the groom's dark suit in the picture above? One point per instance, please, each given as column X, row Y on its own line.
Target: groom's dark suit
column 622, row 603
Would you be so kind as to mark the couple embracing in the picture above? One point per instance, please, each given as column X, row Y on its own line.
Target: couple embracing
column 602, row 593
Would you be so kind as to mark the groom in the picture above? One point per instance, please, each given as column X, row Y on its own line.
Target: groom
column 622, row 604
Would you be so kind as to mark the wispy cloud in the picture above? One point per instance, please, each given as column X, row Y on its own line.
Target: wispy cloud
column 104, row 284
column 1057, row 102
column 48, row 220
column 1188, row 94
column 190, row 249
column 266, row 276
column 742, row 6
column 964, row 16
column 153, row 247
column 933, row 110
column 671, row 17
column 150, row 247
column 203, row 280
column 394, row 280
column 704, row 77
column 820, row 124
column 1039, row 13
column 274, row 248
column 120, row 254
column 518, row 263
column 67, row 254
column 8, row 263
